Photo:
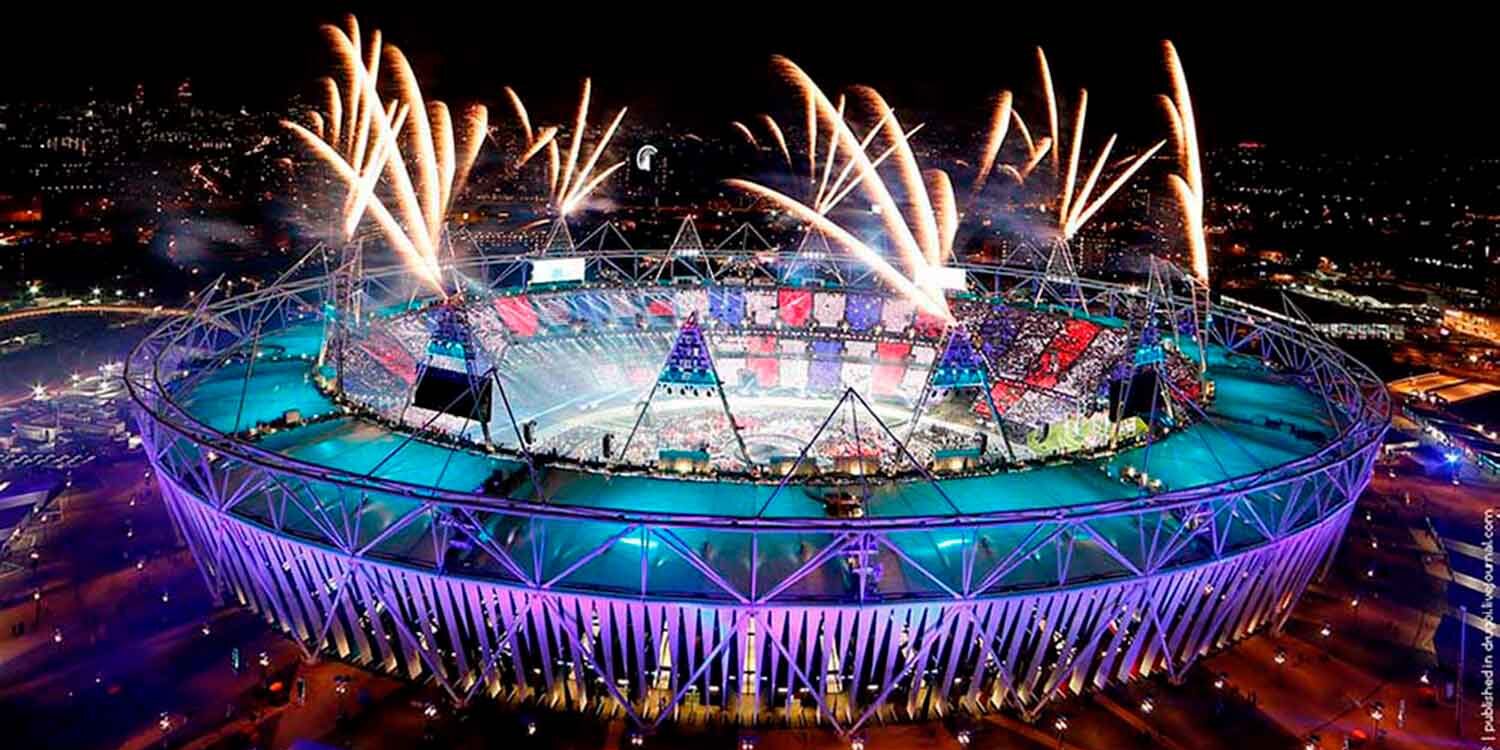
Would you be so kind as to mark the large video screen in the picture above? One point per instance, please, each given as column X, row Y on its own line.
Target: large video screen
column 448, row 391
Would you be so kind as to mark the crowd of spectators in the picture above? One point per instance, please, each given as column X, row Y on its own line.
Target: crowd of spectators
column 559, row 353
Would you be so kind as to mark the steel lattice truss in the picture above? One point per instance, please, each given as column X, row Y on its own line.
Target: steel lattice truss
column 1034, row 604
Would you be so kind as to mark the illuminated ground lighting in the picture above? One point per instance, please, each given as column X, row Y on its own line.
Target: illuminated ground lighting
column 641, row 588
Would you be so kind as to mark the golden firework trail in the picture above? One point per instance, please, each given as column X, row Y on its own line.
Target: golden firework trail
column 1023, row 130
column 778, row 136
column 1076, row 208
column 832, row 150
column 443, row 165
column 1091, row 180
column 819, row 188
column 476, row 126
column 1174, row 124
column 522, row 117
column 1082, row 217
column 315, row 123
column 919, row 203
column 1065, row 198
column 1188, row 186
column 397, row 234
column 535, row 140
column 826, row 204
column 586, row 182
column 569, row 183
column 535, row 146
column 1043, row 147
column 811, row 112
column 944, row 208
column 589, row 187
column 746, row 132
column 825, row 195
column 351, row 110
column 348, row 112
column 335, row 109
column 999, row 122
column 554, row 168
column 1051, row 95
column 833, row 202
column 580, row 124
column 1036, row 150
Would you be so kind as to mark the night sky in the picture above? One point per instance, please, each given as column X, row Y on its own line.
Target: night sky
column 1296, row 79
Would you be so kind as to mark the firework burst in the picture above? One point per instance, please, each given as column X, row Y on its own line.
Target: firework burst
column 401, row 151
column 569, row 184
column 921, row 225
column 1075, row 204
column 918, row 207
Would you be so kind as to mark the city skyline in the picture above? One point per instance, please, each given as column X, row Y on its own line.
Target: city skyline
column 1329, row 83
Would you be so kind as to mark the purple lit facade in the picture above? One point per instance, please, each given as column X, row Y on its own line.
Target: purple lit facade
column 1030, row 604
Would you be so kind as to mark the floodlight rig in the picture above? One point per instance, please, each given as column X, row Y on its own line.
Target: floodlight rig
column 689, row 365
column 961, row 367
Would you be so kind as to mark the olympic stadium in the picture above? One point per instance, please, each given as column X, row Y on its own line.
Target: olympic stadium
column 634, row 481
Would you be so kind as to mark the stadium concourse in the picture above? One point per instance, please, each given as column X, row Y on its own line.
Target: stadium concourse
column 750, row 493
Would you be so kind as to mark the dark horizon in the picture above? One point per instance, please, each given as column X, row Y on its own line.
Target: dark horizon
column 1306, row 83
